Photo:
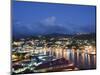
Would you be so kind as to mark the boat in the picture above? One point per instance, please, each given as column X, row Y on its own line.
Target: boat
column 55, row 65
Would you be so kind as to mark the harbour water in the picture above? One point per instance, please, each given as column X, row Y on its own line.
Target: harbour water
column 81, row 60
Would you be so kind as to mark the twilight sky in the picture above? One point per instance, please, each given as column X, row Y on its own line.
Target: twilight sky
column 31, row 18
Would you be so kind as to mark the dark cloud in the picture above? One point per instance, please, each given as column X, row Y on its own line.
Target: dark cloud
column 47, row 26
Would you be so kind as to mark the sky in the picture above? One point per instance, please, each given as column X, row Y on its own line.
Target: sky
column 33, row 18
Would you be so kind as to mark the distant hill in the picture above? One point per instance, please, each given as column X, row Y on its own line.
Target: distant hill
column 55, row 35
column 58, row 35
column 85, row 36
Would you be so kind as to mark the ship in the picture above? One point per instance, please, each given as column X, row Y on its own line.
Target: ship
column 55, row 65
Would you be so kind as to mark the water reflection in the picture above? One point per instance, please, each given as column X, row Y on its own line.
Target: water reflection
column 81, row 60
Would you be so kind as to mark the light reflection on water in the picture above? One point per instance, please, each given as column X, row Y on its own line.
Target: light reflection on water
column 81, row 60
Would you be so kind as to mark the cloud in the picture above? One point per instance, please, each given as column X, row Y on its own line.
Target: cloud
column 49, row 20
column 47, row 26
